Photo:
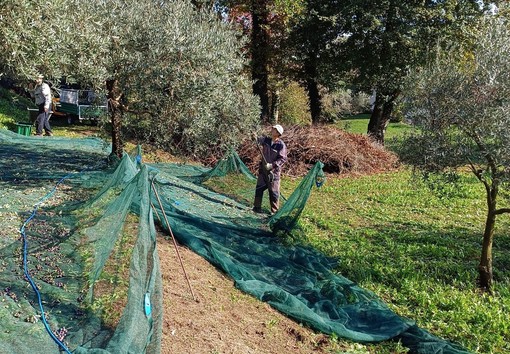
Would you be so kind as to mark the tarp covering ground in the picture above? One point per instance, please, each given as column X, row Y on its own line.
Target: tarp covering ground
column 75, row 249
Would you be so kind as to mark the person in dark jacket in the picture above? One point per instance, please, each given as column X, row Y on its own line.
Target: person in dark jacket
column 274, row 155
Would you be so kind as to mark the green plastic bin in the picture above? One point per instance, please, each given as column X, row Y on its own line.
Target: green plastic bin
column 24, row 129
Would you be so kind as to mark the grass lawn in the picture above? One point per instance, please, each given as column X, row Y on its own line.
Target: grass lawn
column 417, row 249
column 358, row 124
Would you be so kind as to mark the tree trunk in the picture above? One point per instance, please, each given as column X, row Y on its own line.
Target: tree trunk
column 315, row 100
column 275, row 106
column 314, row 96
column 485, row 266
column 385, row 96
column 381, row 114
column 114, row 107
column 260, row 55
column 375, row 119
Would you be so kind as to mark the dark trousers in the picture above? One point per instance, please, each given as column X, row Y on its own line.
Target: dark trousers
column 42, row 121
column 273, row 190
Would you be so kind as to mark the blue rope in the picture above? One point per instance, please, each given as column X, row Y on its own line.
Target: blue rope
column 25, row 267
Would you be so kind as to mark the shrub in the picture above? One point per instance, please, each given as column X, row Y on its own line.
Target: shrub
column 342, row 102
column 360, row 103
column 335, row 104
column 294, row 105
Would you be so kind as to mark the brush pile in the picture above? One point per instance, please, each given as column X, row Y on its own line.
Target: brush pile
column 341, row 152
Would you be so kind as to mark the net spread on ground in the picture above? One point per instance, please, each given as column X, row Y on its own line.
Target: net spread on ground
column 79, row 269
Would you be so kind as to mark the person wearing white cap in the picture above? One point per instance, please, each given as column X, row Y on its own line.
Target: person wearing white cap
column 42, row 95
column 274, row 155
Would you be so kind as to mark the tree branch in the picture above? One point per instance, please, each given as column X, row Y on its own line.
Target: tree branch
column 502, row 211
column 475, row 170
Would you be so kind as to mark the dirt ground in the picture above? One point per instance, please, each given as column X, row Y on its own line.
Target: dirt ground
column 223, row 320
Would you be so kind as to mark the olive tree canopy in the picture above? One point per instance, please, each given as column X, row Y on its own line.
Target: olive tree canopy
column 172, row 73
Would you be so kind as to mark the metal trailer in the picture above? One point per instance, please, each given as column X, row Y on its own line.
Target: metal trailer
column 79, row 105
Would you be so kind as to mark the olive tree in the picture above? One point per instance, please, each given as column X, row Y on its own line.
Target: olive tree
column 171, row 72
column 461, row 106
column 190, row 94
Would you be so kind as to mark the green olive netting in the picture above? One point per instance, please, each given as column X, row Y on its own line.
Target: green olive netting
column 90, row 250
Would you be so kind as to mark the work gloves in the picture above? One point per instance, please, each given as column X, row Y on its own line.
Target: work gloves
column 268, row 167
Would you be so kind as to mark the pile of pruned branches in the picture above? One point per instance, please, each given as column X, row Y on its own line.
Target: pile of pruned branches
column 340, row 152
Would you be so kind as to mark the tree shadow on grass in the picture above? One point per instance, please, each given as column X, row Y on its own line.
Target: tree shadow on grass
column 419, row 250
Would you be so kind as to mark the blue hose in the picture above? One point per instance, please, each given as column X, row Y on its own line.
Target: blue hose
column 25, row 267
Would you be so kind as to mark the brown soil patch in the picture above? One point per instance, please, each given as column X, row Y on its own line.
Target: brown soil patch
column 223, row 319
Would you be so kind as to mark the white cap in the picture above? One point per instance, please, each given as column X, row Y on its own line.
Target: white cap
column 40, row 76
column 279, row 128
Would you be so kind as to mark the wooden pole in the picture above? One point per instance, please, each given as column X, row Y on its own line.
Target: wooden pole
column 173, row 238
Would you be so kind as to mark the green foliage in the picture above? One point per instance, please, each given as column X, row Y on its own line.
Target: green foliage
column 462, row 108
column 342, row 102
column 294, row 105
column 462, row 111
column 335, row 104
column 201, row 102
column 360, row 102
column 398, row 36
column 28, row 42
column 312, row 42
column 13, row 108
column 397, row 116
column 375, row 44
column 183, row 88
column 289, row 8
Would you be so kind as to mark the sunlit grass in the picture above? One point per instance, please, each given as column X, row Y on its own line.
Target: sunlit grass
column 13, row 109
column 358, row 124
column 418, row 249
